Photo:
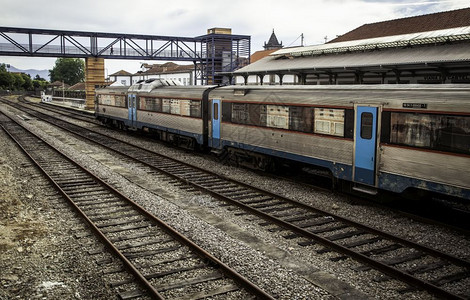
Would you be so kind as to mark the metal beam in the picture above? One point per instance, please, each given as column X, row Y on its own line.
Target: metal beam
column 79, row 44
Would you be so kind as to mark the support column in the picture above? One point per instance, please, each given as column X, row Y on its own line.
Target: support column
column 94, row 75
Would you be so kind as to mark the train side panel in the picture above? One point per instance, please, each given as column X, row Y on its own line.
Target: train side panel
column 113, row 112
column 335, row 154
column 181, row 125
column 445, row 111
column 111, row 105
column 402, row 167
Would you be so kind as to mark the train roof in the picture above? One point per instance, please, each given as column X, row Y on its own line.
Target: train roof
column 352, row 87
column 444, row 97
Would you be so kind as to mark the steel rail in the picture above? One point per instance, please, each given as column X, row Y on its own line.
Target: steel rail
column 435, row 252
column 387, row 269
column 245, row 283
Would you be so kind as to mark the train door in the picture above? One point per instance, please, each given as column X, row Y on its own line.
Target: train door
column 216, row 109
column 132, row 106
column 365, row 145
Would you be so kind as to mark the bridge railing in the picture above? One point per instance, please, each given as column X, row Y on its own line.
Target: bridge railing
column 54, row 50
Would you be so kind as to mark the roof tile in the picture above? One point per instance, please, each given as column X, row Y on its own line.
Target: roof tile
column 430, row 22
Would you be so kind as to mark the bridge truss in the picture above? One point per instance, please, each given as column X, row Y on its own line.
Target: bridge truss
column 211, row 53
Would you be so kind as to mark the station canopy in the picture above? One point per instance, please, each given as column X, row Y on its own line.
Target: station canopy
column 406, row 51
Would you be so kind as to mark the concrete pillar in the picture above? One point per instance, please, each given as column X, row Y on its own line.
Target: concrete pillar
column 94, row 75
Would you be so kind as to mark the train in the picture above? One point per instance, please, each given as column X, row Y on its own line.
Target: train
column 367, row 138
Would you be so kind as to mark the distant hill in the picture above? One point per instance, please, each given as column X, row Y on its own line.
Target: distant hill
column 42, row 73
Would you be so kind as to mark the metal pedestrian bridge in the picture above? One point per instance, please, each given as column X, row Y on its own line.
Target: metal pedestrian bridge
column 79, row 44
column 216, row 52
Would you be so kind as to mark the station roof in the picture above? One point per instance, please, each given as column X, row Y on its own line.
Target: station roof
column 429, row 22
column 121, row 73
column 394, row 44
column 404, row 40
column 370, row 61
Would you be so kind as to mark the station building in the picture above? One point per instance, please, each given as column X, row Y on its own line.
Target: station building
column 182, row 74
column 121, row 77
column 427, row 49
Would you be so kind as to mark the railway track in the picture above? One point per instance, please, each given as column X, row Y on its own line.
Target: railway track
column 76, row 114
column 421, row 267
column 165, row 263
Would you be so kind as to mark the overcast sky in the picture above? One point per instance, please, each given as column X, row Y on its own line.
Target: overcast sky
column 316, row 19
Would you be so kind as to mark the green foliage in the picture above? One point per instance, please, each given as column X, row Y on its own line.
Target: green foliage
column 39, row 78
column 18, row 81
column 68, row 70
column 28, row 83
column 7, row 79
column 40, row 84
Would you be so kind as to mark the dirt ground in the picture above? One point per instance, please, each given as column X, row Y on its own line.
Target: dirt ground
column 39, row 256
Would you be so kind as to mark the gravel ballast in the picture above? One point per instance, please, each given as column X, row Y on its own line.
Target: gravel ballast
column 278, row 265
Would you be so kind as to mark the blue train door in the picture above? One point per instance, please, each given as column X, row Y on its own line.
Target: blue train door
column 132, row 106
column 216, row 108
column 365, row 145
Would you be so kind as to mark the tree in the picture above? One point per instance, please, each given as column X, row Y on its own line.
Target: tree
column 40, row 84
column 68, row 70
column 37, row 77
column 28, row 83
column 6, row 79
column 19, row 81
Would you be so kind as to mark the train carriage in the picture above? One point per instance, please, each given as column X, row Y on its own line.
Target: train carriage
column 111, row 105
column 173, row 113
column 368, row 138
column 374, row 137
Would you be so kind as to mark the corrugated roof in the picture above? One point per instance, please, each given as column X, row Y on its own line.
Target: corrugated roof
column 383, row 58
column 168, row 67
column 59, row 84
column 260, row 54
column 78, row 87
column 121, row 73
column 419, row 38
column 430, row 22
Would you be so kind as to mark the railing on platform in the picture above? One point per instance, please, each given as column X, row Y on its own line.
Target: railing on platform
column 72, row 102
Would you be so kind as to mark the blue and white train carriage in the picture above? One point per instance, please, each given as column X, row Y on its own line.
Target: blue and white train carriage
column 173, row 113
column 388, row 137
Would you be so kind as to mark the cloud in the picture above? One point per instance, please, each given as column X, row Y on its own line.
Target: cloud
column 316, row 19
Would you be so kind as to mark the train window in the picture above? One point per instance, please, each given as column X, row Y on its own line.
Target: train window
column 216, row 111
column 195, row 108
column 349, row 123
column 301, row 118
column 226, row 111
column 166, row 105
column 254, row 114
column 106, row 99
column 175, row 108
column 385, row 128
column 240, row 113
column 367, row 120
column 439, row 132
column 150, row 104
column 329, row 121
column 185, row 107
column 277, row 116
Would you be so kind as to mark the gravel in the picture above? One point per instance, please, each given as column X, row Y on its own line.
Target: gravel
column 278, row 265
